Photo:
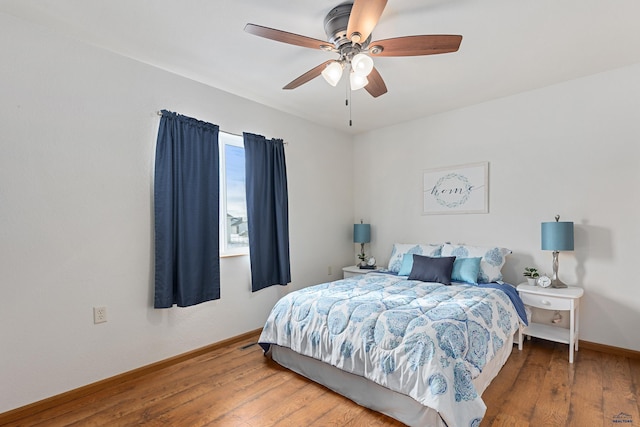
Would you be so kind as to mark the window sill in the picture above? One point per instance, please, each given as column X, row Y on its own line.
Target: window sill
column 232, row 254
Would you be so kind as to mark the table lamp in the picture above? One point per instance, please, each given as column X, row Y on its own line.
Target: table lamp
column 557, row 236
column 362, row 235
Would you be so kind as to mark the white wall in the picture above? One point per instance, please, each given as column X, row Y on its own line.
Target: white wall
column 78, row 129
column 572, row 149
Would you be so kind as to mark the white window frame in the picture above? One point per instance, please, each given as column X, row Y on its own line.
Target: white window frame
column 224, row 140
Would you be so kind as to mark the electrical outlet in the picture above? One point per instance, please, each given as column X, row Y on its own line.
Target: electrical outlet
column 99, row 314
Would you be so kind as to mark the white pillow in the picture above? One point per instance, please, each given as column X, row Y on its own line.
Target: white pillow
column 400, row 249
column 493, row 258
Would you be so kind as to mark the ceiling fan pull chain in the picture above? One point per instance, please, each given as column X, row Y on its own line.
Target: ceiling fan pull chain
column 348, row 103
column 346, row 95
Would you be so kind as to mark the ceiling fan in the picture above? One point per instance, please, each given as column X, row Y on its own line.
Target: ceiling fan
column 348, row 27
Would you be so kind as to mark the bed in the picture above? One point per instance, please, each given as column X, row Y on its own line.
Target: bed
column 421, row 351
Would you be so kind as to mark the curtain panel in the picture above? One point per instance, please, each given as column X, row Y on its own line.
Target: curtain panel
column 186, row 210
column 267, row 211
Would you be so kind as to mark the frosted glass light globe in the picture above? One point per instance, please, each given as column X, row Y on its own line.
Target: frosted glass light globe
column 362, row 64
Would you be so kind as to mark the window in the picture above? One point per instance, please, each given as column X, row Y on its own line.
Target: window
column 234, row 232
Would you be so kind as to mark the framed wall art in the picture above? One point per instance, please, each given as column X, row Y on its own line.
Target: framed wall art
column 460, row 189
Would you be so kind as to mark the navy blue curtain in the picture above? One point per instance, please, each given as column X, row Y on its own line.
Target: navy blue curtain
column 267, row 211
column 186, row 208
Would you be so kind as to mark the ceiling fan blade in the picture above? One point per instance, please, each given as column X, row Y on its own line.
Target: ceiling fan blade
column 364, row 16
column 285, row 37
column 376, row 86
column 308, row 76
column 416, row 45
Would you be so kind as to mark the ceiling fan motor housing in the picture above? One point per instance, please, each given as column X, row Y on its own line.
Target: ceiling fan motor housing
column 335, row 25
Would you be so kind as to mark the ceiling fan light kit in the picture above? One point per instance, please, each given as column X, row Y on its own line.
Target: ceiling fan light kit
column 348, row 27
column 361, row 66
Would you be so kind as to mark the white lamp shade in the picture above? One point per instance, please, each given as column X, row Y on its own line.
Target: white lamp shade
column 362, row 64
column 358, row 81
column 332, row 73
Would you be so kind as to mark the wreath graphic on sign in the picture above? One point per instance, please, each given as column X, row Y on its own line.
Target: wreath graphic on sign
column 462, row 190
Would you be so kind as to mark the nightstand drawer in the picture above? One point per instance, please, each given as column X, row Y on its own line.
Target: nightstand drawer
column 544, row 301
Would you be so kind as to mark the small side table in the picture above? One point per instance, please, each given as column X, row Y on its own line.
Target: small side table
column 354, row 270
column 567, row 299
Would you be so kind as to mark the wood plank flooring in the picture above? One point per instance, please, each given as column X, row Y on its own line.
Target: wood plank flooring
column 237, row 386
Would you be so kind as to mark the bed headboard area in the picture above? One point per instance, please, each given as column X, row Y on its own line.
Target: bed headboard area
column 472, row 264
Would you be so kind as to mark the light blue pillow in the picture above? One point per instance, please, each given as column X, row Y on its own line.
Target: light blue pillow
column 466, row 270
column 493, row 258
column 407, row 264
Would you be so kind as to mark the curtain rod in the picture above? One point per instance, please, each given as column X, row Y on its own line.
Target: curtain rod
column 230, row 133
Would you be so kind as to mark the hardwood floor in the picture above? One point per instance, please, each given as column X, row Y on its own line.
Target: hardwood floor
column 538, row 387
column 237, row 386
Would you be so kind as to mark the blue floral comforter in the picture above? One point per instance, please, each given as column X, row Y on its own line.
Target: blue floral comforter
column 425, row 340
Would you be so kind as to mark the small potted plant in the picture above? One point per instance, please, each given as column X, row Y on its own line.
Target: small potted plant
column 363, row 258
column 531, row 274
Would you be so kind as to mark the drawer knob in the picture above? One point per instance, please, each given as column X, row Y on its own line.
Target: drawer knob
column 545, row 302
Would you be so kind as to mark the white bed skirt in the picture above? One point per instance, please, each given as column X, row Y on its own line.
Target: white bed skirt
column 371, row 395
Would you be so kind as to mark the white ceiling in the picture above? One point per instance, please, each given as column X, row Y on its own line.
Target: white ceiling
column 508, row 46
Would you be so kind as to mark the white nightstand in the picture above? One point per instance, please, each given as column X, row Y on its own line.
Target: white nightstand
column 552, row 299
column 354, row 270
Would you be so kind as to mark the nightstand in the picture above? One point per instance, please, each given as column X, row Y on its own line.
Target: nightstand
column 354, row 270
column 567, row 299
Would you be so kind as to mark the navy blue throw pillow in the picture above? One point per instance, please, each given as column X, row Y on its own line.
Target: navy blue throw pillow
column 428, row 269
